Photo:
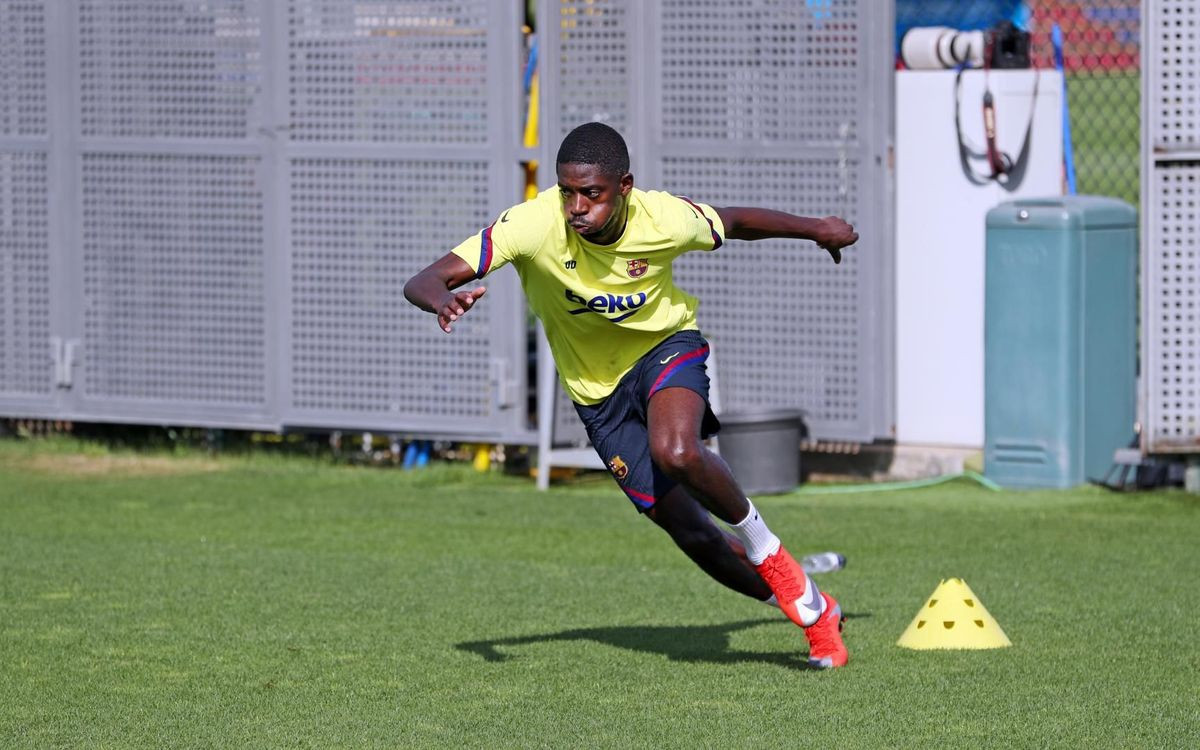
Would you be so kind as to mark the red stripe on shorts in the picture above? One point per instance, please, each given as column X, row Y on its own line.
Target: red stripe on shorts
column 665, row 375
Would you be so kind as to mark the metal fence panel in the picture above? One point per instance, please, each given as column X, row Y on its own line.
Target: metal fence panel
column 1170, row 83
column 589, row 72
column 175, row 69
column 1171, row 314
column 239, row 189
column 590, row 63
column 26, row 367
column 1170, row 332
column 401, row 142
column 391, row 72
column 771, row 103
column 236, row 193
column 173, row 278
column 355, row 352
column 173, row 322
column 23, row 69
column 26, row 352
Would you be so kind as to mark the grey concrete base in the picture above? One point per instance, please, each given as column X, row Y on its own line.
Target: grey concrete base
column 925, row 461
column 886, row 462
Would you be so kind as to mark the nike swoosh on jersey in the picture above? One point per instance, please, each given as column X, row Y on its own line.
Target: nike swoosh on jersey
column 504, row 218
column 668, row 359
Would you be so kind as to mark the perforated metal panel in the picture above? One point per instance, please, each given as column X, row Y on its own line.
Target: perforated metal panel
column 22, row 68
column 26, row 364
column 226, row 196
column 1170, row 273
column 771, row 103
column 170, row 68
column 783, row 319
column 173, row 281
column 588, row 74
column 764, row 71
column 360, row 229
column 26, row 354
column 401, row 72
column 171, row 255
column 1173, row 51
column 1172, row 315
column 568, row 429
column 402, row 140
column 594, row 64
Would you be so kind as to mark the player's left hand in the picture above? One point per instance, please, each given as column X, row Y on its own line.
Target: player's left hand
column 456, row 305
column 836, row 234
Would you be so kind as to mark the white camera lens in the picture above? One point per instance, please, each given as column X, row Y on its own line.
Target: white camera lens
column 940, row 47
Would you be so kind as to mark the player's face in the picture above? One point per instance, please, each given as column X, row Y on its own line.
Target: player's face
column 593, row 201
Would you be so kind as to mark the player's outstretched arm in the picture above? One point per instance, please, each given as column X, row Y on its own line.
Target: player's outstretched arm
column 831, row 233
column 432, row 289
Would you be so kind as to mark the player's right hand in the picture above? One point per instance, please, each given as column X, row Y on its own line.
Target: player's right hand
column 456, row 305
column 836, row 234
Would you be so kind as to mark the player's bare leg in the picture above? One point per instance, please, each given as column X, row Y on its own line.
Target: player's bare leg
column 714, row 550
column 673, row 421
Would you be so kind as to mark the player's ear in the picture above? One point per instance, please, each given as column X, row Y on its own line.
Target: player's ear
column 626, row 183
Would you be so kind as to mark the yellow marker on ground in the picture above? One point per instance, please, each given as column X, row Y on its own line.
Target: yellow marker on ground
column 953, row 618
column 482, row 460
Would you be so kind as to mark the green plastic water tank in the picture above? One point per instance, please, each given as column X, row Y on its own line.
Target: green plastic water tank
column 1060, row 339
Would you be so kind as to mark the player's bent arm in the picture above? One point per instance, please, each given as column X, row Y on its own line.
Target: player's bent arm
column 831, row 232
column 431, row 289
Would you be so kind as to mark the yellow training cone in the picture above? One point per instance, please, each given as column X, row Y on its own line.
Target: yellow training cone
column 953, row 618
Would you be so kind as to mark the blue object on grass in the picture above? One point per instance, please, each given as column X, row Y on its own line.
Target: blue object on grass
column 410, row 455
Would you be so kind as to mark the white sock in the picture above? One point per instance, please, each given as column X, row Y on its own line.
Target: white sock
column 760, row 543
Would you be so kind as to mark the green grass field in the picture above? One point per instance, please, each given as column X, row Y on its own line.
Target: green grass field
column 285, row 602
column 1106, row 130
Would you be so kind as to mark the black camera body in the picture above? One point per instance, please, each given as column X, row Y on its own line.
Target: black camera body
column 1009, row 46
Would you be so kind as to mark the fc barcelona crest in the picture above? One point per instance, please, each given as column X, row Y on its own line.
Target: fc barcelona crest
column 618, row 467
column 637, row 268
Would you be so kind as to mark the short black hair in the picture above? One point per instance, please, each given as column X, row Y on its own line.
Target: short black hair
column 595, row 143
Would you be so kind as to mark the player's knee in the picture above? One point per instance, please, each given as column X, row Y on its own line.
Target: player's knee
column 677, row 458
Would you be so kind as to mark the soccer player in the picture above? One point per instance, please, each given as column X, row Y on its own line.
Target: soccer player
column 594, row 255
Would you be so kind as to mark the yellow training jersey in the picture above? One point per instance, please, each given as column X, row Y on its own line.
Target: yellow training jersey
column 603, row 306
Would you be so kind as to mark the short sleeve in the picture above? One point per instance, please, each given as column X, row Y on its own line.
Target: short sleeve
column 515, row 235
column 701, row 227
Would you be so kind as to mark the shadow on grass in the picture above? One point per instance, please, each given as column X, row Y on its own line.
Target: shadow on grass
column 687, row 643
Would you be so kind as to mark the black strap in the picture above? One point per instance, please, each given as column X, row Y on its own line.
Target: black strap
column 1005, row 171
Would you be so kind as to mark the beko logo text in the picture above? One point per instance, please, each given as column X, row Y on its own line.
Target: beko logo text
column 608, row 304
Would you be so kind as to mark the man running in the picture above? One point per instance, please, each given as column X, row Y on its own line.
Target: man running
column 594, row 256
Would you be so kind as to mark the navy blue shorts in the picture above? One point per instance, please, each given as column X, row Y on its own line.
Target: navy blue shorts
column 617, row 425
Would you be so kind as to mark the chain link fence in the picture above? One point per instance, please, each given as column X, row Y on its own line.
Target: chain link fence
column 1101, row 62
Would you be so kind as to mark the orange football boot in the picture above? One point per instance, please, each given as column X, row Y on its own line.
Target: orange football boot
column 825, row 647
column 817, row 612
column 798, row 597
